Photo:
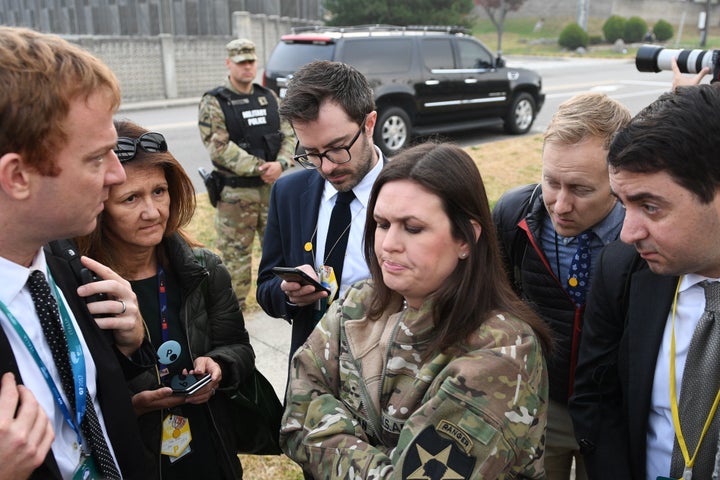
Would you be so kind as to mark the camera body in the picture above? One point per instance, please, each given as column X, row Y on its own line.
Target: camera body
column 651, row 58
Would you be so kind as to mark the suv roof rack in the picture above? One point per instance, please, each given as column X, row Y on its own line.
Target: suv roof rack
column 451, row 29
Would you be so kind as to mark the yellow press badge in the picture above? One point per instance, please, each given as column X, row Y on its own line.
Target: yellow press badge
column 176, row 436
column 327, row 278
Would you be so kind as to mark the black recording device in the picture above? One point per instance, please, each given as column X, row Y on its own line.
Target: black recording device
column 67, row 250
column 188, row 384
column 291, row 274
column 651, row 58
column 88, row 276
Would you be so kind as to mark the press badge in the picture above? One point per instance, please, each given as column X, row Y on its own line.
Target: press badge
column 176, row 437
column 86, row 470
column 327, row 278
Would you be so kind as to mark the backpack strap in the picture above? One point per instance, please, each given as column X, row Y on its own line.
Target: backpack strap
column 520, row 240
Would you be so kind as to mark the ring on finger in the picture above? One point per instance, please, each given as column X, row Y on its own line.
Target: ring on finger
column 124, row 307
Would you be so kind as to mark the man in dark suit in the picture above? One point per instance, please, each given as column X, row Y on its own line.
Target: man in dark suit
column 650, row 317
column 331, row 108
column 65, row 410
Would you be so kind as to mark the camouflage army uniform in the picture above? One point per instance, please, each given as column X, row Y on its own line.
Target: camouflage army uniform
column 363, row 404
column 241, row 211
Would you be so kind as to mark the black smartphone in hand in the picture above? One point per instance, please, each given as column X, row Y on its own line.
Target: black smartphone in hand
column 292, row 274
column 88, row 276
column 188, row 384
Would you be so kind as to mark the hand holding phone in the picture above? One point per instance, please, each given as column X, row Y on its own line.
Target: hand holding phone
column 188, row 384
column 292, row 274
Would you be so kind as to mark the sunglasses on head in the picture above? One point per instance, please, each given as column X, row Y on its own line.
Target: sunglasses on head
column 150, row 142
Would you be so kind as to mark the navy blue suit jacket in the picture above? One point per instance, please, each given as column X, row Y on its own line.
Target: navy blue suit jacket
column 624, row 323
column 292, row 217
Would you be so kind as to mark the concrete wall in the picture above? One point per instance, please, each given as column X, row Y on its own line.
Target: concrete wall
column 144, row 17
column 167, row 67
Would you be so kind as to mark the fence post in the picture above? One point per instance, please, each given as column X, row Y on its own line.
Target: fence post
column 167, row 51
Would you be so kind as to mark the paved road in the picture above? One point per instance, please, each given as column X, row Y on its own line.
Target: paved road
column 562, row 78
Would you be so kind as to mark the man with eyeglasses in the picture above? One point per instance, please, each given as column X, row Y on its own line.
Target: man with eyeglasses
column 332, row 110
column 249, row 147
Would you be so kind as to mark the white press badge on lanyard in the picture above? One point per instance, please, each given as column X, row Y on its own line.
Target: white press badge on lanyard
column 86, row 469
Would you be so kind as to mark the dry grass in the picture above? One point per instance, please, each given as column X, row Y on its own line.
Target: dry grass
column 503, row 164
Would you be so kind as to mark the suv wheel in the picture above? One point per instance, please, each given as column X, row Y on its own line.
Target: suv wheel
column 392, row 131
column 521, row 115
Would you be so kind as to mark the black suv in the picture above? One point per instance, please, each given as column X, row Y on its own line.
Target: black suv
column 426, row 79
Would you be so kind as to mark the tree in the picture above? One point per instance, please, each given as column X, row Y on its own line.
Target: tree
column 496, row 10
column 408, row 12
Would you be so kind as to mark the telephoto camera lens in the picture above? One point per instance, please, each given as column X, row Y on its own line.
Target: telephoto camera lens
column 651, row 58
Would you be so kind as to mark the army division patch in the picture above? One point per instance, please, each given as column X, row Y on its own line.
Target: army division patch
column 432, row 457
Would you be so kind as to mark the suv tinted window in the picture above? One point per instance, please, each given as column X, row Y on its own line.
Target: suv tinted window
column 290, row 57
column 391, row 55
column 473, row 55
column 437, row 53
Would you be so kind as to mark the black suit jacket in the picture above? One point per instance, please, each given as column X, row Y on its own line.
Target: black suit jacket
column 292, row 217
column 112, row 370
column 624, row 322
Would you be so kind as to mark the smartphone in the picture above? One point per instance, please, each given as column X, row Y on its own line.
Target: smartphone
column 188, row 384
column 292, row 274
column 88, row 276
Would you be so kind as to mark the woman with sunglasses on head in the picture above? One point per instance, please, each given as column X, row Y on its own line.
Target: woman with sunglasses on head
column 192, row 316
column 433, row 368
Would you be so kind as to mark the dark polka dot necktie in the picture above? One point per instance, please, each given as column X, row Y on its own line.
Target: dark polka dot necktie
column 579, row 273
column 47, row 311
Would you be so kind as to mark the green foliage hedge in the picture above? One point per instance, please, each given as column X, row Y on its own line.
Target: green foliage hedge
column 614, row 28
column 635, row 30
column 573, row 36
column 663, row 31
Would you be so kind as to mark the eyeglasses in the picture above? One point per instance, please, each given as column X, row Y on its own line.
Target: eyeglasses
column 150, row 142
column 337, row 155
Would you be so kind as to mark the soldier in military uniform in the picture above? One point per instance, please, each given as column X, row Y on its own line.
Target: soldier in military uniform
column 249, row 146
column 433, row 368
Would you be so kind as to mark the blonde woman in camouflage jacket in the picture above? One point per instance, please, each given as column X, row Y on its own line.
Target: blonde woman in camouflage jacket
column 433, row 368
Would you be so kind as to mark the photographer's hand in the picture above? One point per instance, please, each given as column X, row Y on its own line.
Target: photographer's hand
column 680, row 80
column 121, row 314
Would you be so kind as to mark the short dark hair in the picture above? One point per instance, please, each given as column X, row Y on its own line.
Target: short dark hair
column 479, row 285
column 679, row 133
column 321, row 81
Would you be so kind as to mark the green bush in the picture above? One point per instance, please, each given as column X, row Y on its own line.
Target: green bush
column 663, row 31
column 596, row 39
column 635, row 29
column 614, row 28
column 573, row 36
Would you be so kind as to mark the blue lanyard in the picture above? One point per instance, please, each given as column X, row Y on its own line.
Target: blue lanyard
column 77, row 363
column 162, row 300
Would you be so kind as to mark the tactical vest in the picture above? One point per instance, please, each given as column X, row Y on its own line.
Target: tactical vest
column 252, row 120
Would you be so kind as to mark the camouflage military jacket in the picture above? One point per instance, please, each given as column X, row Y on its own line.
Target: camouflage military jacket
column 223, row 151
column 367, row 401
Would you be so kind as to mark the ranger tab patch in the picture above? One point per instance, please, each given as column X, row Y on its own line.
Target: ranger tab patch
column 432, row 457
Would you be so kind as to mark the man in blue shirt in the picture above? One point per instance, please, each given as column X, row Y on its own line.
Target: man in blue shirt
column 549, row 235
